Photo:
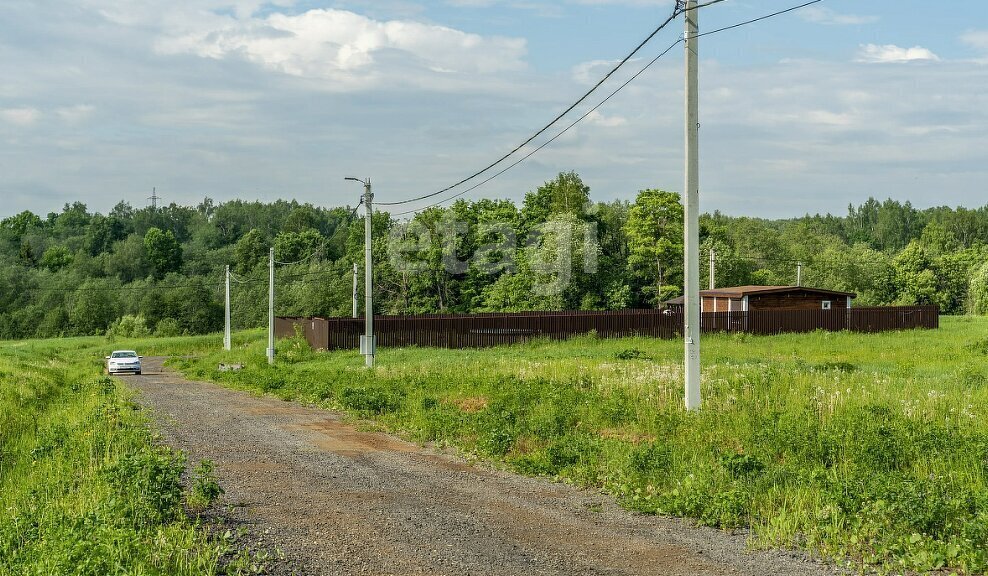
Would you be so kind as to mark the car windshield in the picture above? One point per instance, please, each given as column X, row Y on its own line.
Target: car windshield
column 124, row 355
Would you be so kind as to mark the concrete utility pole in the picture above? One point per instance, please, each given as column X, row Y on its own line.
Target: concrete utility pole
column 368, row 343
column 354, row 289
column 691, row 200
column 799, row 273
column 226, row 329
column 713, row 259
column 271, row 306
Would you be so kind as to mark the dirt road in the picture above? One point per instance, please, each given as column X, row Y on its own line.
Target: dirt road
column 337, row 500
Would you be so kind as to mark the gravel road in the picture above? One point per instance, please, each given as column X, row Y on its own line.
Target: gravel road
column 336, row 500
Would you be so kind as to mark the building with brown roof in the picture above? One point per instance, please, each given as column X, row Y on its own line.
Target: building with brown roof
column 745, row 298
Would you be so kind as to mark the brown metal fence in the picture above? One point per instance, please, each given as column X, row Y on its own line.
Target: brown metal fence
column 484, row 330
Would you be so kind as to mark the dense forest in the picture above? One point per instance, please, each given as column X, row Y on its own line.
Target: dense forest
column 78, row 272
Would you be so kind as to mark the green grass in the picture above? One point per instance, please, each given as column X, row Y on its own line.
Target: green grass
column 85, row 488
column 870, row 449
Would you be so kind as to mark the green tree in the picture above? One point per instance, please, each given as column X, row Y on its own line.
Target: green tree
column 301, row 219
column 565, row 194
column 94, row 307
column 56, row 258
column 250, row 251
column 296, row 246
column 128, row 261
column 17, row 226
column 655, row 242
column 163, row 252
column 978, row 291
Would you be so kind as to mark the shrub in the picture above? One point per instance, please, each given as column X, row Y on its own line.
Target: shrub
column 205, row 487
column 368, row 400
column 167, row 328
column 741, row 465
column 631, row 354
column 295, row 349
column 148, row 486
column 497, row 441
column 649, row 458
column 128, row 326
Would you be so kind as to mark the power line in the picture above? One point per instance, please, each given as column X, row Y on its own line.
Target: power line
column 759, row 19
column 554, row 138
column 584, row 116
column 119, row 288
column 676, row 12
column 318, row 251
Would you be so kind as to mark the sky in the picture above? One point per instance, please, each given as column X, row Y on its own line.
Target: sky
column 102, row 101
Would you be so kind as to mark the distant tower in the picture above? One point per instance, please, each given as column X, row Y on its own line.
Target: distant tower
column 154, row 198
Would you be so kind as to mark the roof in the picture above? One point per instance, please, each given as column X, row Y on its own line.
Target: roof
column 742, row 291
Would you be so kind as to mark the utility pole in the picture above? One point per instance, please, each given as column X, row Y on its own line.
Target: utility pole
column 368, row 343
column 713, row 259
column 799, row 273
column 354, row 289
column 271, row 306
column 691, row 198
column 154, row 198
column 226, row 329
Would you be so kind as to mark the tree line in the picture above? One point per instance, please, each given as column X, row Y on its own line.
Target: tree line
column 79, row 272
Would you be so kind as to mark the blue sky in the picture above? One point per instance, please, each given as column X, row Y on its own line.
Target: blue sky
column 102, row 100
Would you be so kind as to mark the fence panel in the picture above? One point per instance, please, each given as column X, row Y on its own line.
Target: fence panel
column 485, row 330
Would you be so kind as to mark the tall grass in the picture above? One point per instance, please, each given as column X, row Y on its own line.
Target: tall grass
column 84, row 487
column 871, row 449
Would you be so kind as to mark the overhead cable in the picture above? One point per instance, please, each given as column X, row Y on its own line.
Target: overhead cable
column 588, row 113
column 676, row 12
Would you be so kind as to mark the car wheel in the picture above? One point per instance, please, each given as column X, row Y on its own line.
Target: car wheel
column 138, row 373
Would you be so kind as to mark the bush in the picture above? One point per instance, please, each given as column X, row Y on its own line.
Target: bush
column 368, row 400
column 149, row 487
column 205, row 487
column 631, row 354
column 128, row 326
column 295, row 349
column 650, row 458
column 167, row 327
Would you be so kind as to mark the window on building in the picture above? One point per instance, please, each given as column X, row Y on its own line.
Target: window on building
column 826, row 304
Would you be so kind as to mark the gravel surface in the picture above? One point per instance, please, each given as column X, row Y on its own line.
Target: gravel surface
column 336, row 500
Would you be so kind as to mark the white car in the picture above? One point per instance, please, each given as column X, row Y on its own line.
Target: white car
column 123, row 361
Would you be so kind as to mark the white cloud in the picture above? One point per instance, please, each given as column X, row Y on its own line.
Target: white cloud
column 821, row 15
column 591, row 72
column 890, row 53
column 20, row 116
column 352, row 51
column 976, row 39
column 599, row 119
column 75, row 114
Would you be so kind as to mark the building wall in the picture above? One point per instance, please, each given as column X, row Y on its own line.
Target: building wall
column 802, row 300
column 721, row 304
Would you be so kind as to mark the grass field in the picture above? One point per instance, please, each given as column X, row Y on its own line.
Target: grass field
column 868, row 449
column 84, row 487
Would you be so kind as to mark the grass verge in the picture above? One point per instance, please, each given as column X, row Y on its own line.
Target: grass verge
column 85, row 488
column 866, row 449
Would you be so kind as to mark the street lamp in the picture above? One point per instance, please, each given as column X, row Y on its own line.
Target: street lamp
column 368, row 343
